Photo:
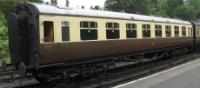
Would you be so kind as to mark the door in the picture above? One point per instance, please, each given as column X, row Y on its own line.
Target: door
column 48, row 31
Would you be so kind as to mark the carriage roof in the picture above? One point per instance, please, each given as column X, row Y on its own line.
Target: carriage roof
column 55, row 10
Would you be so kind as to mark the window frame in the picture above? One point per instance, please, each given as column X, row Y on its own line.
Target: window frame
column 146, row 28
column 158, row 28
column 190, row 31
column 176, row 31
column 114, row 28
column 48, row 28
column 89, row 29
column 131, row 28
column 184, row 33
column 65, row 24
column 167, row 29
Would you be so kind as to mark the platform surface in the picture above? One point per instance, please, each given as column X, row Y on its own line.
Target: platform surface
column 182, row 76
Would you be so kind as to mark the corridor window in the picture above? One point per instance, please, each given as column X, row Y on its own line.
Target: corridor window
column 65, row 31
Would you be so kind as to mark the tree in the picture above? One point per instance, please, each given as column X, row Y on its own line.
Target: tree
column 129, row 6
column 183, row 12
column 4, row 52
column 7, row 5
column 194, row 7
column 38, row 1
column 184, row 9
column 159, row 8
column 54, row 2
column 82, row 7
column 172, row 5
column 67, row 3
column 95, row 7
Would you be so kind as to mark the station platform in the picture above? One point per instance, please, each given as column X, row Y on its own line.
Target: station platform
column 183, row 76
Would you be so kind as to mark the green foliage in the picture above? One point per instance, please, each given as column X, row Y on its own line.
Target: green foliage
column 129, row 6
column 38, row 1
column 7, row 5
column 184, row 9
column 4, row 53
column 159, row 8
column 194, row 8
column 172, row 5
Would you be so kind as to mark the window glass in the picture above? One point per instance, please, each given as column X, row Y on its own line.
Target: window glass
column 65, row 31
column 88, row 30
column 190, row 31
column 109, row 25
column 112, row 31
column 88, row 34
column 84, row 24
column 146, row 30
column 168, row 31
column 184, row 31
column 158, row 30
column 116, row 25
column 146, row 33
column 131, row 31
column 93, row 24
column 48, row 31
column 112, row 34
column 176, row 31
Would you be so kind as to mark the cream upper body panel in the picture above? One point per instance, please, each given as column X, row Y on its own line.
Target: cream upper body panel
column 74, row 23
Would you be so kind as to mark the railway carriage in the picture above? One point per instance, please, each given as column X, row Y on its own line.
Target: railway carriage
column 197, row 38
column 45, row 36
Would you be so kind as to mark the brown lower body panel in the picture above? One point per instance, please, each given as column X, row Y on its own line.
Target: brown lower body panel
column 58, row 52
column 198, row 40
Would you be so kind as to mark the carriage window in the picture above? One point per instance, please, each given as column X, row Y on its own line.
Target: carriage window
column 158, row 30
column 131, row 31
column 65, row 31
column 88, row 30
column 176, row 31
column 190, row 31
column 146, row 30
column 48, row 31
column 168, row 31
column 198, row 32
column 112, row 30
column 184, row 31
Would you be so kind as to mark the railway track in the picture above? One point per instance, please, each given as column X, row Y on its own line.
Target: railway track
column 6, row 73
column 119, row 75
column 10, row 78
